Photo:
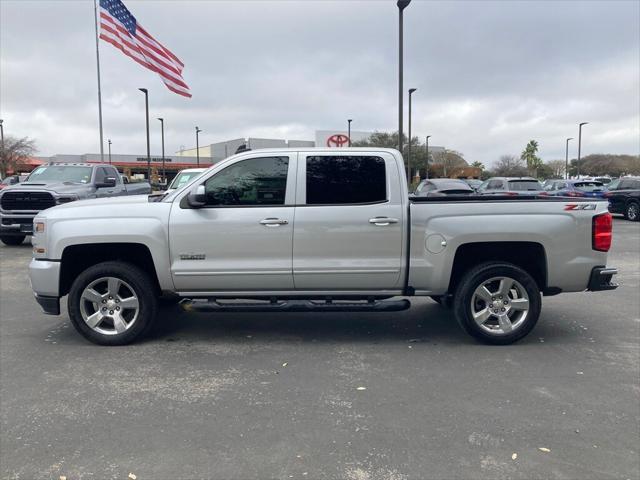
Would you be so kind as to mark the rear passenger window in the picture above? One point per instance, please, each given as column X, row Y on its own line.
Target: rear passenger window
column 334, row 180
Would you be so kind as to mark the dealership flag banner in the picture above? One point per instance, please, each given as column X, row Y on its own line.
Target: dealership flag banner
column 122, row 30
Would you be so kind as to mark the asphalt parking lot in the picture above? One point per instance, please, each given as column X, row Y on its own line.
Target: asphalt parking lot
column 338, row 396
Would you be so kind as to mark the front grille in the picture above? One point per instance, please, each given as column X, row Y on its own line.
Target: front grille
column 27, row 201
column 17, row 221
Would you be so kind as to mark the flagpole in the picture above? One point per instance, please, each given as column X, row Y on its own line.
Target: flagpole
column 95, row 10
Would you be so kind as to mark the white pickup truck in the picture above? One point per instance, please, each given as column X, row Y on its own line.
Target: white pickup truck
column 315, row 230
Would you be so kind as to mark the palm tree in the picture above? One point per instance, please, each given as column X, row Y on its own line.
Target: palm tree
column 529, row 155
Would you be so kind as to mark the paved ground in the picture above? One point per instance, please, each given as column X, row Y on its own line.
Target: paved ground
column 276, row 396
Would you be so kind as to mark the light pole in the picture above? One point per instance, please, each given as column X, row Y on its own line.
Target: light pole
column 402, row 4
column 109, row 143
column 197, row 146
column 164, row 177
column 2, row 136
column 411, row 90
column 146, row 106
column 580, row 145
column 349, row 130
column 427, row 144
column 566, row 160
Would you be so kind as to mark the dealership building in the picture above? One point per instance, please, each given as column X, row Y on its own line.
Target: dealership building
column 135, row 166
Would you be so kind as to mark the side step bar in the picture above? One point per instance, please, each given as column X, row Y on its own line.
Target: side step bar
column 296, row 306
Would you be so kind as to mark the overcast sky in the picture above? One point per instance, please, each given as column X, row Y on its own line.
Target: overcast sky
column 490, row 75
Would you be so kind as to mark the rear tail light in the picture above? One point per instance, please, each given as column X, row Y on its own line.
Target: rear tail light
column 575, row 194
column 601, row 232
column 607, row 194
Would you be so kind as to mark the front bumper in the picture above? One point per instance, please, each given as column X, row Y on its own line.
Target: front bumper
column 45, row 277
column 16, row 224
column 600, row 279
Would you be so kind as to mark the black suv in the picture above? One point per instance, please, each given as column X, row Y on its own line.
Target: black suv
column 624, row 197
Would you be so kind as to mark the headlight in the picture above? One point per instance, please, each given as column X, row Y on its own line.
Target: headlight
column 66, row 199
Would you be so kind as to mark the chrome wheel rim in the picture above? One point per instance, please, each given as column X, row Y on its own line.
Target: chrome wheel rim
column 500, row 305
column 632, row 212
column 109, row 306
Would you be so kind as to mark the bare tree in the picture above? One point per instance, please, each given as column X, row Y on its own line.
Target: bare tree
column 15, row 151
column 556, row 168
column 510, row 166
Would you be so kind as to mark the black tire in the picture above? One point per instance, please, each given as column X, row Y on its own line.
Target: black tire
column 141, row 285
column 632, row 212
column 479, row 275
column 12, row 239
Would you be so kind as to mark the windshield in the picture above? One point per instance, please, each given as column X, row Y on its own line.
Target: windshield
column 61, row 173
column 588, row 186
column 182, row 179
column 524, row 185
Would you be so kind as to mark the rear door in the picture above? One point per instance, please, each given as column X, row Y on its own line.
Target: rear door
column 348, row 222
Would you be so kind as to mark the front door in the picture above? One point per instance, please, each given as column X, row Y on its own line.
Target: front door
column 349, row 216
column 242, row 238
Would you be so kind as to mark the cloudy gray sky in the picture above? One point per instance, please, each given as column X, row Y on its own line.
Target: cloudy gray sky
column 490, row 74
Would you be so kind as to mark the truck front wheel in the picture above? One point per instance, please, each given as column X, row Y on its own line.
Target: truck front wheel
column 12, row 239
column 112, row 303
column 497, row 303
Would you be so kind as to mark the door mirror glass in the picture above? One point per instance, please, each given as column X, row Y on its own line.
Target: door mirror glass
column 197, row 197
column 107, row 182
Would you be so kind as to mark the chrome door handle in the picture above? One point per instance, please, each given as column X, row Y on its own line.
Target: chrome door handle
column 273, row 222
column 383, row 221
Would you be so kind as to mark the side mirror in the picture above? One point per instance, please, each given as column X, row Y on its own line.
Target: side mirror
column 107, row 183
column 197, row 197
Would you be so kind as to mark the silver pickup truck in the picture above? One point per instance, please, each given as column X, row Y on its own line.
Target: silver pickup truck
column 54, row 184
column 315, row 230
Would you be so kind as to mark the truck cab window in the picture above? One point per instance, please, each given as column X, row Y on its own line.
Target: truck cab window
column 335, row 180
column 256, row 181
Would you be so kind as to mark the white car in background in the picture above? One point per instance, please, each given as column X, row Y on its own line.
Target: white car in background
column 183, row 177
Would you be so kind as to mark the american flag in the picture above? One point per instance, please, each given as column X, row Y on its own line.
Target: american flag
column 122, row 30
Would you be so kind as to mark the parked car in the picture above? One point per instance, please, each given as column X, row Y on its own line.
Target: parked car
column 576, row 188
column 510, row 186
column 137, row 187
column 442, row 186
column 54, row 184
column 8, row 181
column 624, row 197
column 473, row 183
column 183, row 177
column 315, row 230
column 604, row 180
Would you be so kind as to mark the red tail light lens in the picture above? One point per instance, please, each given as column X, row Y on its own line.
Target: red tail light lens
column 575, row 194
column 601, row 232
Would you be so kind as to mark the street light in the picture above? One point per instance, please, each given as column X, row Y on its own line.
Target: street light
column 146, row 105
column 427, row 143
column 164, row 177
column 566, row 160
column 2, row 136
column 411, row 90
column 197, row 146
column 109, row 143
column 349, row 130
column 580, row 144
column 402, row 4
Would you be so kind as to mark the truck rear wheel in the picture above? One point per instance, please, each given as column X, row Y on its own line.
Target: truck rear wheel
column 497, row 303
column 12, row 239
column 112, row 303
